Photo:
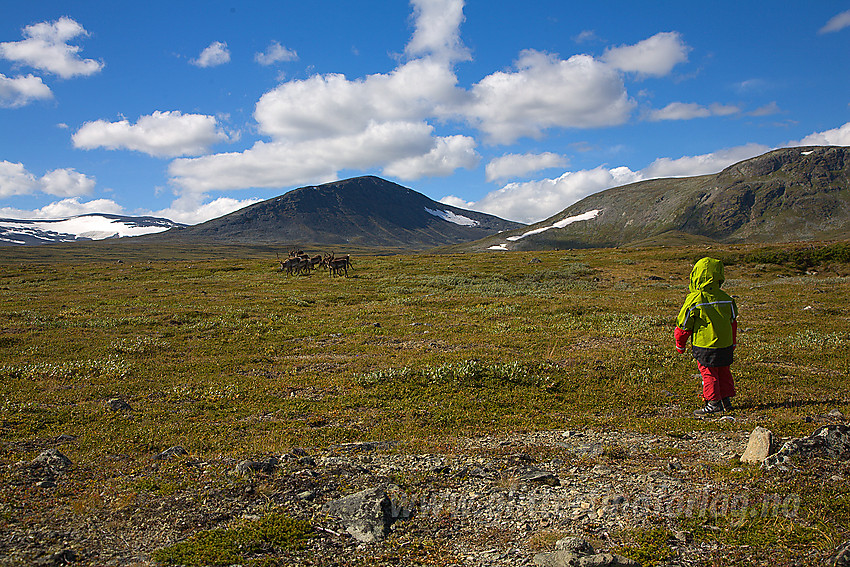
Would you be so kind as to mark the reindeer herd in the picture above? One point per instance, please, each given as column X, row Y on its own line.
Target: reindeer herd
column 300, row 263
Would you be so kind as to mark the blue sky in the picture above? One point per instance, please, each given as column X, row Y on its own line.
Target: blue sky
column 192, row 109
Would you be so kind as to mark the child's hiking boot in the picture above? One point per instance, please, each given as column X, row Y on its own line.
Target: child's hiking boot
column 727, row 403
column 711, row 407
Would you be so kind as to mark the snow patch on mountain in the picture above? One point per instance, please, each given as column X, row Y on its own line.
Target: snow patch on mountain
column 19, row 232
column 452, row 217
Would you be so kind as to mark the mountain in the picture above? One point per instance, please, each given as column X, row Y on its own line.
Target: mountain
column 96, row 226
column 790, row 194
column 358, row 212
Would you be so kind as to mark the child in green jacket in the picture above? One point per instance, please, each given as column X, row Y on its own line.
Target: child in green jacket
column 709, row 318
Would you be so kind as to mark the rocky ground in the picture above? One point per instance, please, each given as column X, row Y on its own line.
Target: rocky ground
column 492, row 501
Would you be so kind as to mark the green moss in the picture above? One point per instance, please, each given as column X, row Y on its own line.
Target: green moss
column 650, row 547
column 273, row 533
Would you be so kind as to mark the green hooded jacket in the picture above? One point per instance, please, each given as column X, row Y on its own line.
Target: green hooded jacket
column 708, row 312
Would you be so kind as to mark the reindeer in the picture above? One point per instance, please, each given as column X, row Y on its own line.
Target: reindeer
column 337, row 265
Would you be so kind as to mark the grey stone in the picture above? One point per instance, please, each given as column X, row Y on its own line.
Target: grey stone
column 117, row 404
column 366, row 515
column 175, row 451
column 576, row 545
column 52, row 460
column 759, row 447
column 247, row 467
column 541, row 477
column 829, row 441
column 565, row 558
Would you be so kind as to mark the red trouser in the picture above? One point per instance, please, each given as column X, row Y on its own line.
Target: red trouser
column 717, row 382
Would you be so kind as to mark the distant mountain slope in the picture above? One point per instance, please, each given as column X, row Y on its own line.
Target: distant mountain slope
column 362, row 211
column 14, row 232
column 786, row 195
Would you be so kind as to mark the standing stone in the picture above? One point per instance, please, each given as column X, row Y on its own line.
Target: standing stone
column 759, row 447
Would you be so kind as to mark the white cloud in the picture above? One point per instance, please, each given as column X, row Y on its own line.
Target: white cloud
column 437, row 30
column 447, row 155
column 275, row 53
column 836, row 137
column 655, row 56
column 547, row 92
column 64, row 209
column 516, row 165
column 703, row 164
column 215, row 54
column 161, row 134
column 45, row 46
column 15, row 179
column 688, row 111
column 67, row 182
column 20, row 91
column 536, row 200
column 281, row 164
column 191, row 209
column 767, row 109
column 837, row 23
column 331, row 105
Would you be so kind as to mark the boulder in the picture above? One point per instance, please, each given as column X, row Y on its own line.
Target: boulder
column 246, row 467
column 759, row 447
column 366, row 515
column 52, row 460
column 829, row 441
column 577, row 552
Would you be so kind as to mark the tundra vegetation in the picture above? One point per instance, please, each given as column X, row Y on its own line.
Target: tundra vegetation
column 220, row 353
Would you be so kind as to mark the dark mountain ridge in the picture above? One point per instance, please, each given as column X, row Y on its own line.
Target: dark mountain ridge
column 362, row 211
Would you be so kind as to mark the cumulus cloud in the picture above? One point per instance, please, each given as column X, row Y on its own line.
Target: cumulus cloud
column 20, row 91
column 655, row 56
column 331, row 105
column 547, row 92
column 516, row 165
column 437, row 30
column 64, row 209
column 688, row 111
column 191, row 209
column 275, row 53
column 215, row 54
column 45, row 47
column 280, row 164
column 703, row 164
column 836, row 137
column 15, row 179
column 837, row 23
column 447, row 155
column 161, row 134
column 65, row 182
column 533, row 201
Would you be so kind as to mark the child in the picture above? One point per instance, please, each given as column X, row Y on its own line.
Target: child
column 709, row 318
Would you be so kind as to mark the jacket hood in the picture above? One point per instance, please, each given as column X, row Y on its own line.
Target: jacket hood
column 706, row 272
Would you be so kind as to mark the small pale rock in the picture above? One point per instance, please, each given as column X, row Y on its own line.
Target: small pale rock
column 175, row 451
column 759, row 447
